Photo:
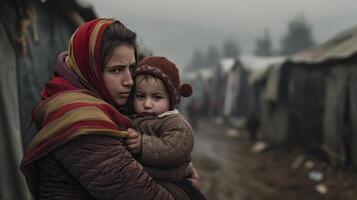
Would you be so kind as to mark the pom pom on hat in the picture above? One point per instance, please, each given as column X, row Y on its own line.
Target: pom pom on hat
column 186, row 90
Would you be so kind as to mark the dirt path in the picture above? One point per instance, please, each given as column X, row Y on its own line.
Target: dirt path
column 229, row 170
column 224, row 166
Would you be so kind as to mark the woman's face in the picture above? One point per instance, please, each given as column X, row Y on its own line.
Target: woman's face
column 117, row 73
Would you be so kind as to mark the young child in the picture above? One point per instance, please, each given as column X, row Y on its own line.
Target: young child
column 162, row 139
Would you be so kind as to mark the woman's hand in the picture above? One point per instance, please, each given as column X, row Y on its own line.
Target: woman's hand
column 133, row 141
column 194, row 178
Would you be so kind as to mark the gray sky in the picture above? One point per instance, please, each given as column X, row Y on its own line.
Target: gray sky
column 176, row 28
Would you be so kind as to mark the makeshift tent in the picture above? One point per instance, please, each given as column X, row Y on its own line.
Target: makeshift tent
column 340, row 117
column 233, row 90
column 12, row 182
column 336, row 61
column 220, row 81
column 257, row 68
column 339, row 55
column 227, row 86
column 31, row 34
column 317, row 91
column 269, row 105
column 240, row 96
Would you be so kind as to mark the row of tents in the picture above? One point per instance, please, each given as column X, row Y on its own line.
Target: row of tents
column 307, row 100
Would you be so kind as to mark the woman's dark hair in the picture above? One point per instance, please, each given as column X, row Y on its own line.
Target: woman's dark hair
column 116, row 34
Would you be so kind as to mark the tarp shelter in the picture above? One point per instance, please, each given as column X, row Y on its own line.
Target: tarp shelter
column 227, row 86
column 339, row 57
column 236, row 97
column 257, row 67
column 219, row 96
column 32, row 33
column 317, row 95
column 291, row 102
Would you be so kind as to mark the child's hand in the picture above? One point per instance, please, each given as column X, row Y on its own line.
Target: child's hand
column 194, row 178
column 133, row 141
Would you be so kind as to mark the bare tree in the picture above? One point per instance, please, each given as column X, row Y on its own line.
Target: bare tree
column 231, row 49
column 298, row 36
column 263, row 45
column 197, row 60
column 212, row 56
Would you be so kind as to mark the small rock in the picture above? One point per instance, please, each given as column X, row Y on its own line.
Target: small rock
column 237, row 122
column 259, row 147
column 316, row 176
column 297, row 162
column 232, row 133
column 309, row 164
column 321, row 188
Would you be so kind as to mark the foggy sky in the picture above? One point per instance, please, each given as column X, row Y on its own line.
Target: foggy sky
column 176, row 28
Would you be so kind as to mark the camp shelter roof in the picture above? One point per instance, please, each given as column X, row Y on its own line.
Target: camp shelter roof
column 204, row 73
column 259, row 65
column 227, row 64
column 253, row 63
column 343, row 46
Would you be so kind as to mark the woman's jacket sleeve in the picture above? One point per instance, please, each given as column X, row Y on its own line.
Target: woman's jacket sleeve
column 105, row 168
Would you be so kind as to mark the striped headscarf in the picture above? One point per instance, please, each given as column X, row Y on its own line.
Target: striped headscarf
column 81, row 66
column 75, row 101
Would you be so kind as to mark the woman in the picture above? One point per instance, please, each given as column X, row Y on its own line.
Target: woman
column 78, row 152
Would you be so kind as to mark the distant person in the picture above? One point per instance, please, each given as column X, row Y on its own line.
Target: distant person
column 162, row 139
column 252, row 126
column 79, row 151
column 193, row 110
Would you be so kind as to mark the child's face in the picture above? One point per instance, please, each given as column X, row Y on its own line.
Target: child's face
column 150, row 96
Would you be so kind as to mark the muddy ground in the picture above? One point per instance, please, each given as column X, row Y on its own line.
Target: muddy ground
column 229, row 169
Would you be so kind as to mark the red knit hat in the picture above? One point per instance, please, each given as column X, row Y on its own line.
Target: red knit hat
column 168, row 73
